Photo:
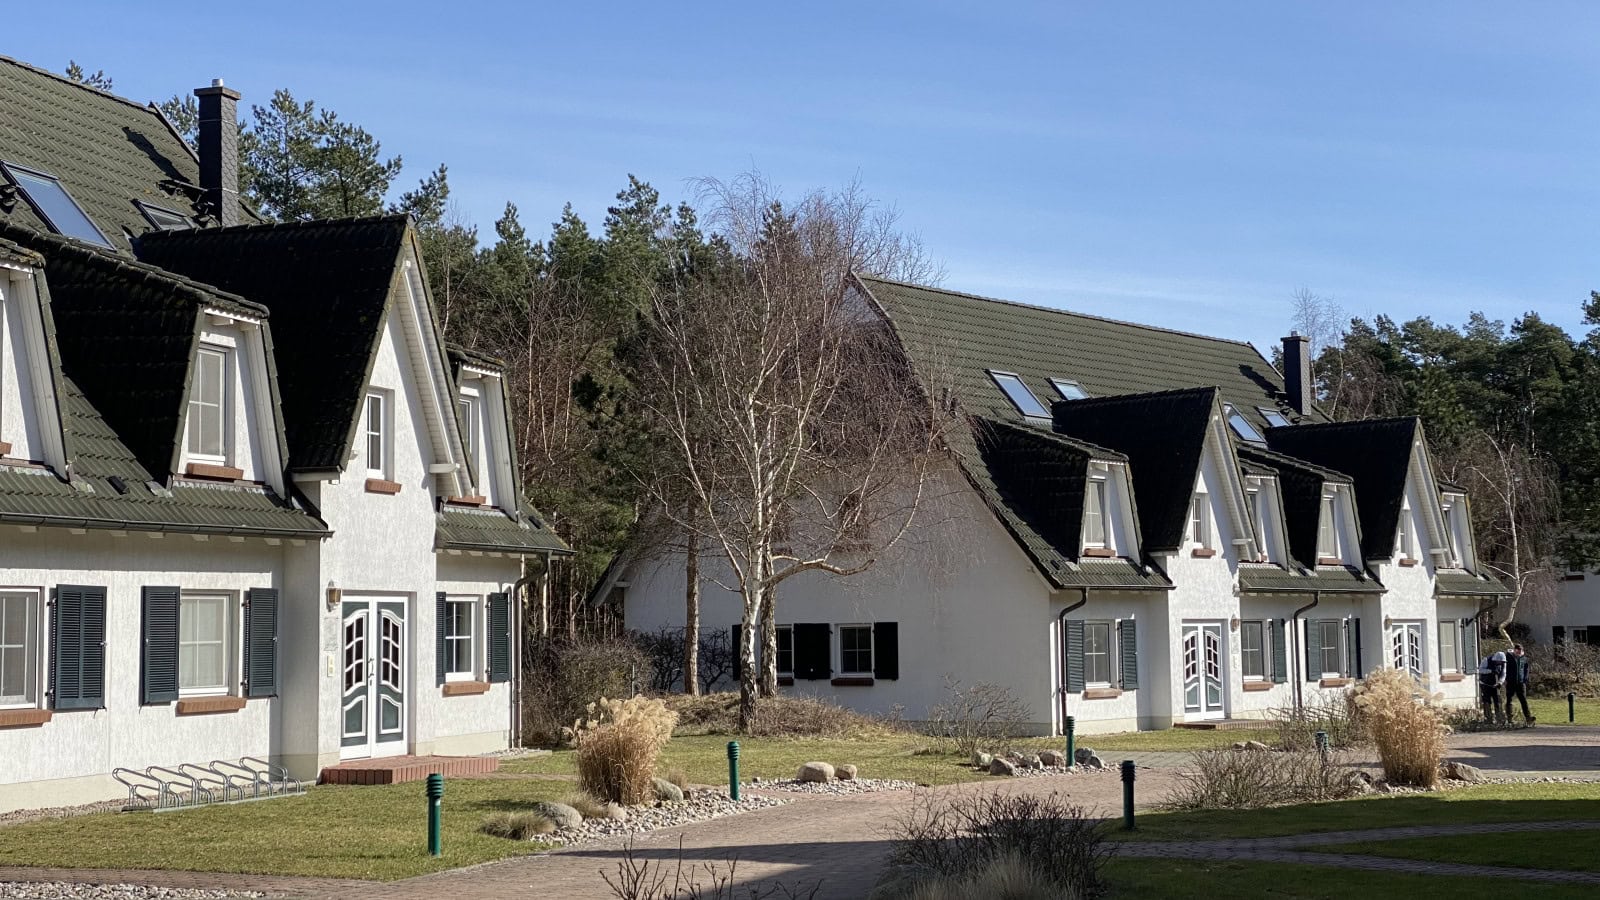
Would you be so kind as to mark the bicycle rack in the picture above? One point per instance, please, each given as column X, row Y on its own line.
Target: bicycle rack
column 188, row 785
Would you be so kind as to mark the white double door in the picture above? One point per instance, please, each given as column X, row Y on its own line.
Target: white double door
column 372, row 710
column 1204, row 671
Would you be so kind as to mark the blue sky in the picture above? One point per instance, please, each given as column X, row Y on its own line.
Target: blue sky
column 1184, row 164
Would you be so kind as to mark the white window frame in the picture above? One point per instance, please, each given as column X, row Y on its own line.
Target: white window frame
column 230, row 643
column 223, row 406
column 471, row 403
column 1449, row 632
column 784, row 631
column 1338, row 648
column 872, row 650
column 1110, row 653
column 1275, row 419
column 473, row 638
column 1263, row 632
column 1244, row 428
column 1328, row 526
column 1067, row 386
column 999, row 377
column 379, row 434
column 1452, row 540
column 1403, row 628
column 1200, row 519
column 1097, row 493
column 30, row 648
column 1404, row 539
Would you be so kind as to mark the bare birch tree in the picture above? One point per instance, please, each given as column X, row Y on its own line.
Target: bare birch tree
column 1517, row 513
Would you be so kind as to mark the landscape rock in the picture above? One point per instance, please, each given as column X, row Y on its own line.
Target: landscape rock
column 1093, row 762
column 1052, row 758
column 1460, row 771
column 981, row 760
column 845, row 772
column 616, row 813
column 666, row 791
column 1238, row 745
column 1002, row 766
column 563, row 815
column 815, row 771
column 1033, row 762
column 1017, row 757
column 1256, row 746
column 1082, row 755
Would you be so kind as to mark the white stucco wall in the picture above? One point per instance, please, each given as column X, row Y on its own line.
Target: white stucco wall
column 476, row 723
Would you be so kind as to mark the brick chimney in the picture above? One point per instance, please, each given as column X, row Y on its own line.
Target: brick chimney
column 1297, row 381
column 219, row 150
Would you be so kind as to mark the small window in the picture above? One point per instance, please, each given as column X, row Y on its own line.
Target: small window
column 1449, row 654
column 1020, row 395
column 1241, row 426
column 786, row 650
column 1069, row 390
column 1252, row 650
column 54, row 205
column 1094, row 513
column 460, row 631
column 208, row 405
column 1253, row 507
column 165, row 219
column 1200, row 520
column 468, row 407
column 1403, row 538
column 1327, row 535
column 1274, row 418
column 1454, row 541
column 855, row 649
column 1330, row 634
column 1580, row 635
column 19, row 648
column 205, row 644
column 1097, row 654
column 377, row 435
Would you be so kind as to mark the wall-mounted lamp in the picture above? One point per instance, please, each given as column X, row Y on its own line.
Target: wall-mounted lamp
column 334, row 596
column 1388, row 621
column 1235, row 623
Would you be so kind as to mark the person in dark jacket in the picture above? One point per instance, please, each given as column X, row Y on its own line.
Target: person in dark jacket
column 1517, row 682
column 1492, row 685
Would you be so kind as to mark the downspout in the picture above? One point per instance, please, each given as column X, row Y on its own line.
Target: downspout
column 1061, row 670
column 1300, row 652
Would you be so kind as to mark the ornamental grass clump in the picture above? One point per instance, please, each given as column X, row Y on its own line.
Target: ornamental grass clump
column 618, row 745
column 1406, row 723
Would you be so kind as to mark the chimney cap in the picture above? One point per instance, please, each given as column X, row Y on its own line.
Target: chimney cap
column 217, row 88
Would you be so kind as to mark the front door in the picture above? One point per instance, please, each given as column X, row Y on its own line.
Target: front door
column 1203, row 676
column 373, row 711
column 1405, row 645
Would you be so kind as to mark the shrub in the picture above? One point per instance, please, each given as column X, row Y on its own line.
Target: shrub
column 588, row 805
column 1333, row 713
column 564, row 676
column 974, row 717
column 640, row 878
column 517, row 826
column 678, row 778
column 782, row 716
column 949, row 843
column 1569, row 667
column 618, row 745
column 1008, row 877
column 1245, row 779
column 1405, row 723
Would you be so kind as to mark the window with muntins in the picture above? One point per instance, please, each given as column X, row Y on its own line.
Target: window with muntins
column 205, row 644
column 1327, row 536
column 208, row 406
column 1449, row 654
column 1199, row 520
column 460, row 632
column 1403, row 539
column 19, row 648
column 1094, row 513
column 377, row 433
column 1405, row 646
column 1329, row 646
column 54, row 205
column 1097, row 654
column 1252, row 650
column 1020, row 395
column 785, row 650
column 855, row 649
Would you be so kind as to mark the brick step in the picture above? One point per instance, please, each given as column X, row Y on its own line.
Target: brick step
column 1225, row 725
column 401, row 769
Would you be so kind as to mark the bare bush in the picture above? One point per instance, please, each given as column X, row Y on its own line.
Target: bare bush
column 618, row 747
column 947, row 841
column 1009, row 877
column 781, row 716
column 641, row 879
column 1297, row 728
column 1554, row 671
column 563, row 676
column 1256, row 779
column 981, row 715
column 1406, row 723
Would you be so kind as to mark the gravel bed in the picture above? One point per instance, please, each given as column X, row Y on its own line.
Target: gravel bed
column 61, row 890
column 1057, row 770
column 854, row 786
column 700, row 805
column 516, row 753
column 17, row 817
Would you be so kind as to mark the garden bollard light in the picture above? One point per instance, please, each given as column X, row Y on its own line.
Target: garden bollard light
column 435, row 803
column 1127, row 795
column 733, row 771
column 1572, row 707
column 1322, row 742
column 1072, row 727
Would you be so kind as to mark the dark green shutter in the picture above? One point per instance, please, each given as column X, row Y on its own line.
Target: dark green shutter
column 1352, row 647
column 886, row 650
column 1127, row 633
column 78, row 647
column 1558, row 634
column 441, row 611
column 813, row 651
column 158, row 648
column 1469, row 643
column 1280, row 652
column 1313, row 654
column 499, row 637
column 738, row 654
column 261, row 643
column 1072, row 654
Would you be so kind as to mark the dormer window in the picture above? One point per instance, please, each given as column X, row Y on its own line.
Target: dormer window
column 1451, row 524
column 467, row 408
column 1020, row 395
column 209, row 416
column 54, row 205
column 1242, row 426
column 376, row 428
column 1200, row 520
column 1094, row 514
column 1327, row 532
column 1068, row 389
column 1405, row 539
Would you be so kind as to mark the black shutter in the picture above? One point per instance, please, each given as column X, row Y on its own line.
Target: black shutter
column 261, row 643
column 1072, row 654
column 1558, row 634
column 158, row 650
column 886, row 650
column 1594, row 634
column 1313, row 654
column 1127, row 632
column 738, row 654
column 1469, row 644
column 1280, row 651
column 441, row 610
column 813, row 651
column 499, row 637
column 1351, row 639
column 1359, row 669
column 78, row 647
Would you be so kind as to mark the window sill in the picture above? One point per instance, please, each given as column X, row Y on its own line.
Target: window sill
column 5, row 447
column 201, row 706
column 24, row 718
column 1253, row 686
column 1452, row 677
column 467, row 501
column 1099, row 553
column 785, row 681
column 1102, row 693
column 853, row 681
column 1202, row 553
column 382, row 486
column 1329, row 561
column 465, row 688
column 1408, row 562
column 1335, row 682
column 213, row 471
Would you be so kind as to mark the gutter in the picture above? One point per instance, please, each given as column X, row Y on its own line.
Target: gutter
column 1061, row 676
column 1294, row 628
column 161, row 527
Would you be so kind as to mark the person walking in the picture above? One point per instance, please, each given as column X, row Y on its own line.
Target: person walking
column 1517, row 682
column 1491, row 685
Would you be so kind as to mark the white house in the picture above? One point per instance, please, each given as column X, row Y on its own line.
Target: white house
column 250, row 503
column 1148, row 528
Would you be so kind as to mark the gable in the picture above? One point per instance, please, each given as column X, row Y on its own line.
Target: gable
column 1376, row 454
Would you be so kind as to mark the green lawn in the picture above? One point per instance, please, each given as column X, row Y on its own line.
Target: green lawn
column 1489, row 803
column 333, row 831
column 1182, row 878
column 1570, row 850
column 1553, row 711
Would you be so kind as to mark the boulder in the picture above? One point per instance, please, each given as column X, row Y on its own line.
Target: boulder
column 1256, row 746
column 1093, row 762
column 666, row 791
column 563, row 815
column 820, row 772
column 1017, row 757
column 845, row 772
column 1052, row 758
column 1238, row 745
column 1002, row 766
column 616, row 813
column 981, row 760
column 1460, row 771
column 1033, row 762
column 1361, row 783
column 1082, row 755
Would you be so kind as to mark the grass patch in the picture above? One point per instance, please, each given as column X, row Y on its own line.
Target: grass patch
column 1243, row 881
column 1174, row 739
column 1489, row 803
column 335, row 831
column 1553, row 710
column 1572, row 850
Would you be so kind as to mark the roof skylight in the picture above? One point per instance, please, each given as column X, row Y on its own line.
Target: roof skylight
column 54, row 205
column 1020, row 395
column 1274, row 418
column 1242, row 426
column 1068, row 389
column 165, row 219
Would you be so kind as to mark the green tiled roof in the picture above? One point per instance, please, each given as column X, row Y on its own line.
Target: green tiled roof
column 492, row 530
column 1376, row 453
column 1270, row 579
column 1465, row 584
column 106, row 151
